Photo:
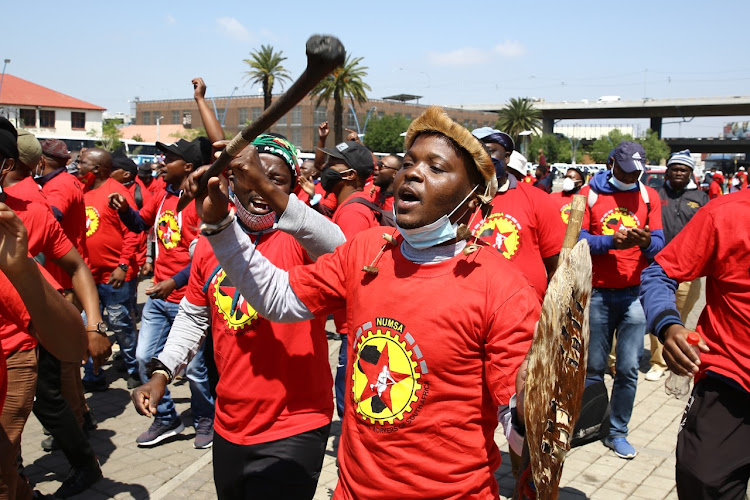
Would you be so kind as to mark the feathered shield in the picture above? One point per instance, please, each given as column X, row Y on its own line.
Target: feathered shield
column 557, row 363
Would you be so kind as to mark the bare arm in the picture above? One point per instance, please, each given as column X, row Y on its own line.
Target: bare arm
column 56, row 321
column 320, row 156
column 210, row 122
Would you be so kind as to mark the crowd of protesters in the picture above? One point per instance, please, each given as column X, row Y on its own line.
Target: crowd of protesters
column 433, row 265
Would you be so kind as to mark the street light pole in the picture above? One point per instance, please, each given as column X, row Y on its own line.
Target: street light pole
column 224, row 116
column 367, row 119
column 158, row 122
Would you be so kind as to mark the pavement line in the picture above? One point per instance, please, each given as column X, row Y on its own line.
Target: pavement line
column 166, row 488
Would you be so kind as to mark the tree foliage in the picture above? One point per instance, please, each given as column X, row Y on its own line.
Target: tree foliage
column 384, row 133
column 110, row 136
column 345, row 82
column 189, row 134
column 656, row 149
column 556, row 149
column 266, row 69
column 519, row 114
column 599, row 151
column 137, row 138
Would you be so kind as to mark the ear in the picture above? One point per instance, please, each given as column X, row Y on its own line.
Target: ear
column 189, row 167
column 9, row 165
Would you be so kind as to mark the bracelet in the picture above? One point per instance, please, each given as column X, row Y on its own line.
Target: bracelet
column 210, row 229
column 163, row 372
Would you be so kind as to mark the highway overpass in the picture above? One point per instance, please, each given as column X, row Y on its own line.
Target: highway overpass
column 652, row 109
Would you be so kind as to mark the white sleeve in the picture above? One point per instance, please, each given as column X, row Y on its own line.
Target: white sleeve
column 186, row 335
column 504, row 416
column 314, row 231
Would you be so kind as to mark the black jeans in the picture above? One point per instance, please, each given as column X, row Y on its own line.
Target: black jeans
column 285, row 469
column 56, row 416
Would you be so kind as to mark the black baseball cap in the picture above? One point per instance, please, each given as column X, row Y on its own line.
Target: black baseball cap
column 354, row 154
column 190, row 151
column 121, row 161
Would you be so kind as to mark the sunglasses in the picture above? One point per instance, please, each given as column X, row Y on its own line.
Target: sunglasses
column 382, row 165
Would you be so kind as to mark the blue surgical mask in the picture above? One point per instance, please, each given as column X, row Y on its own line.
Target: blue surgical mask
column 154, row 173
column 621, row 186
column 434, row 233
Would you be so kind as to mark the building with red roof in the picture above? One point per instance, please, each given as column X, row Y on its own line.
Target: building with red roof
column 47, row 113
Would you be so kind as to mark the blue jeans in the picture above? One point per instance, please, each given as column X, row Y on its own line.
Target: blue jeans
column 616, row 309
column 340, row 379
column 116, row 303
column 157, row 319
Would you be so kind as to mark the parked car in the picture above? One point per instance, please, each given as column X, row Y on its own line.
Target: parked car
column 654, row 176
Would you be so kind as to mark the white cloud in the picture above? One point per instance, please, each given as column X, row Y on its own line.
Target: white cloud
column 170, row 19
column 510, row 48
column 459, row 57
column 234, row 29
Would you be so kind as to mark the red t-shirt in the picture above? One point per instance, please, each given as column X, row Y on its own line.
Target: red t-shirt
column 45, row 234
column 146, row 198
column 14, row 318
column 65, row 192
column 174, row 231
column 433, row 350
column 156, row 185
column 109, row 242
column 610, row 213
column 525, row 228
column 352, row 218
column 718, row 240
column 563, row 202
column 714, row 190
column 274, row 378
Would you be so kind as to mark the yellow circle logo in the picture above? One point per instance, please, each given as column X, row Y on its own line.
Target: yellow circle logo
column 565, row 213
column 92, row 221
column 502, row 231
column 618, row 219
column 385, row 378
column 235, row 310
column 168, row 230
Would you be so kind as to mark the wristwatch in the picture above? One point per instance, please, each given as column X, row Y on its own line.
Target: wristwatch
column 101, row 328
column 124, row 267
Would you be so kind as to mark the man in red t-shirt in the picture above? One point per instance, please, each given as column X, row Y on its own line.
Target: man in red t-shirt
column 572, row 183
column 385, row 172
column 716, row 188
column 523, row 225
column 175, row 234
column 274, row 391
column 428, row 369
column 346, row 171
column 623, row 227
column 712, row 458
column 112, row 257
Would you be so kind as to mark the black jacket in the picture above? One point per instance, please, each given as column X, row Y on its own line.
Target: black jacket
column 677, row 208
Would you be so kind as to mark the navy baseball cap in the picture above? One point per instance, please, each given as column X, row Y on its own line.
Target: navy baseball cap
column 489, row 134
column 630, row 156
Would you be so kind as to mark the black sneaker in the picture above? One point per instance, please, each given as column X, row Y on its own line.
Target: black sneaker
column 89, row 421
column 134, row 381
column 159, row 431
column 98, row 385
column 50, row 444
column 204, row 433
column 79, row 480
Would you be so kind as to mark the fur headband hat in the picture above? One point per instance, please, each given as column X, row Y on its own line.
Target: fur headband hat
column 434, row 119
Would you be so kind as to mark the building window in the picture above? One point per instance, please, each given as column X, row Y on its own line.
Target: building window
column 28, row 117
column 242, row 114
column 175, row 116
column 351, row 121
column 381, row 114
column 220, row 115
column 78, row 120
column 255, row 113
column 296, row 116
column 296, row 137
column 147, row 117
column 187, row 119
column 46, row 118
column 157, row 117
column 321, row 115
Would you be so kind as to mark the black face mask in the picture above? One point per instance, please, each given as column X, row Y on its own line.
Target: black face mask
column 329, row 178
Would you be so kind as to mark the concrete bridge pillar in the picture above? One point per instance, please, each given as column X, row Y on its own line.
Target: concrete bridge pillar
column 656, row 125
column 548, row 125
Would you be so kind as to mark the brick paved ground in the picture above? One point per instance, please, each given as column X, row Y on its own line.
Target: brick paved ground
column 177, row 470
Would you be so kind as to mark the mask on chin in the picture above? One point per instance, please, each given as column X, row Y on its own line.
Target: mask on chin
column 435, row 233
column 254, row 223
column 87, row 179
column 622, row 186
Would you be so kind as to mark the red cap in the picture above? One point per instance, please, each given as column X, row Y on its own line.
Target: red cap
column 693, row 338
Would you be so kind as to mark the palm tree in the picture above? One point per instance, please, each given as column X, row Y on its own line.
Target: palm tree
column 266, row 70
column 345, row 82
column 519, row 115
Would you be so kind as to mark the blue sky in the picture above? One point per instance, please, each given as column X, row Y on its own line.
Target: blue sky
column 447, row 52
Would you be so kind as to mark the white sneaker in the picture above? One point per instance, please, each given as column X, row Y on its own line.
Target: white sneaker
column 654, row 374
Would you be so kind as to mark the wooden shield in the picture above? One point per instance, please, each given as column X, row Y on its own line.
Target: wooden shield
column 557, row 363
